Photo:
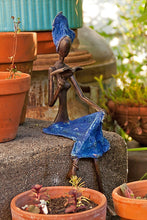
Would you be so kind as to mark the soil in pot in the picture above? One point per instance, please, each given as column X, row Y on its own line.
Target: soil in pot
column 59, row 205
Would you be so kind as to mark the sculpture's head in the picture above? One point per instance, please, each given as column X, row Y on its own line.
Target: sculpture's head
column 63, row 36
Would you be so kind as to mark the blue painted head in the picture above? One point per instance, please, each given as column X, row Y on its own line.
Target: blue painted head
column 61, row 29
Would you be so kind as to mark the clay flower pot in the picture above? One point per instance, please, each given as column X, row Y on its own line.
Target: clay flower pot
column 26, row 49
column 45, row 42
column 12, row 96
column 98, row 212
column 126, row 208
column 26, row 53
column 132, row 119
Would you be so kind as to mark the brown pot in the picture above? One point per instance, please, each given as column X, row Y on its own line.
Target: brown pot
column 126, row 208
column 133, row 120
column 12, row 96
column 45, row 44
column 98, row 212
column 26, row 53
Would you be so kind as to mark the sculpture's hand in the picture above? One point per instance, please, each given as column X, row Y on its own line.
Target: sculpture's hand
column 65, row 72
column 57, row 71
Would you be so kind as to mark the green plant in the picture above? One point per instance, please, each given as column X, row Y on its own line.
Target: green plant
column 13, row 68
column 75, row 200
column 131, row 80
column 39, row 200
column 128, row 92
column 134, row 93
column 130, row 51
column 144, row 176
column 128, row 193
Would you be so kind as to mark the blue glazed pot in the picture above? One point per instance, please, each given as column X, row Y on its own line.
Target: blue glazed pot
column 38, row 15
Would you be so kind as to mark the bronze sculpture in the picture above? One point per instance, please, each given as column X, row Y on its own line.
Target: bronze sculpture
column 61, row 73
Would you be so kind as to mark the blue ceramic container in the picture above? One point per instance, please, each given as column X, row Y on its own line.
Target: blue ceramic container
column 38, row 15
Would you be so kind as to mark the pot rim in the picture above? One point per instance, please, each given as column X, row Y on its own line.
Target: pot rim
column 127, row 105
column 8, row 80
column 12, row 86
column 20, row 33
column 116, row 196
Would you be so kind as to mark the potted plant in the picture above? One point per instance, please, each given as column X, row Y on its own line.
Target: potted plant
column 21, row 47
column 128, row 106
column 130, row 200
column 38, row 203
column 14, row 86
column 127, row 101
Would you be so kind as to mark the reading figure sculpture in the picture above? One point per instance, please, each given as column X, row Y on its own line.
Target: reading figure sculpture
column 87, row 130
column 60, row 74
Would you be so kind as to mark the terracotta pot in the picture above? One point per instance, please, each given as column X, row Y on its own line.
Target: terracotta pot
column 126, row 208
column 26, row 46
column 133, row 120
column 45, row 44
column 26, row 53
column 12, row 96
column 98, row 212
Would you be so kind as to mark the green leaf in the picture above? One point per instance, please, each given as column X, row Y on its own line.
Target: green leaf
column 143, row 18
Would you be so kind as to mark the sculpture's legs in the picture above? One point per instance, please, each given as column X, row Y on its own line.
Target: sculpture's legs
column 74, row 168
column 100, row 186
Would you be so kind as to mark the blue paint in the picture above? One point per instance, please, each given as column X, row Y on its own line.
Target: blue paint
column 61, row 29
column 87, row 134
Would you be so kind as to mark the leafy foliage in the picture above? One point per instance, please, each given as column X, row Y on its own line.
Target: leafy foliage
column 131, row 80
column 131, row 54
column 75, row 199
column 37, row 200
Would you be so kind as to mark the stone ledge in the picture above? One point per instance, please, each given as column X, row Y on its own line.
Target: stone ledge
column 34, row 157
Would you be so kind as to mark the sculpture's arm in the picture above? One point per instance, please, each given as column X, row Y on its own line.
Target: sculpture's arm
column 82, row 96
column 52, row 97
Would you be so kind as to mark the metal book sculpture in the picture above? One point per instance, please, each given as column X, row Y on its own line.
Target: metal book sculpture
column 87, row 130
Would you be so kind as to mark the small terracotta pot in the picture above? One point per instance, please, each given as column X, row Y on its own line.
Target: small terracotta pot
column 12, row 96
column 45, row 44
column 26, row 46
column 126, row 208
column 131, row 118
column 98, row 213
